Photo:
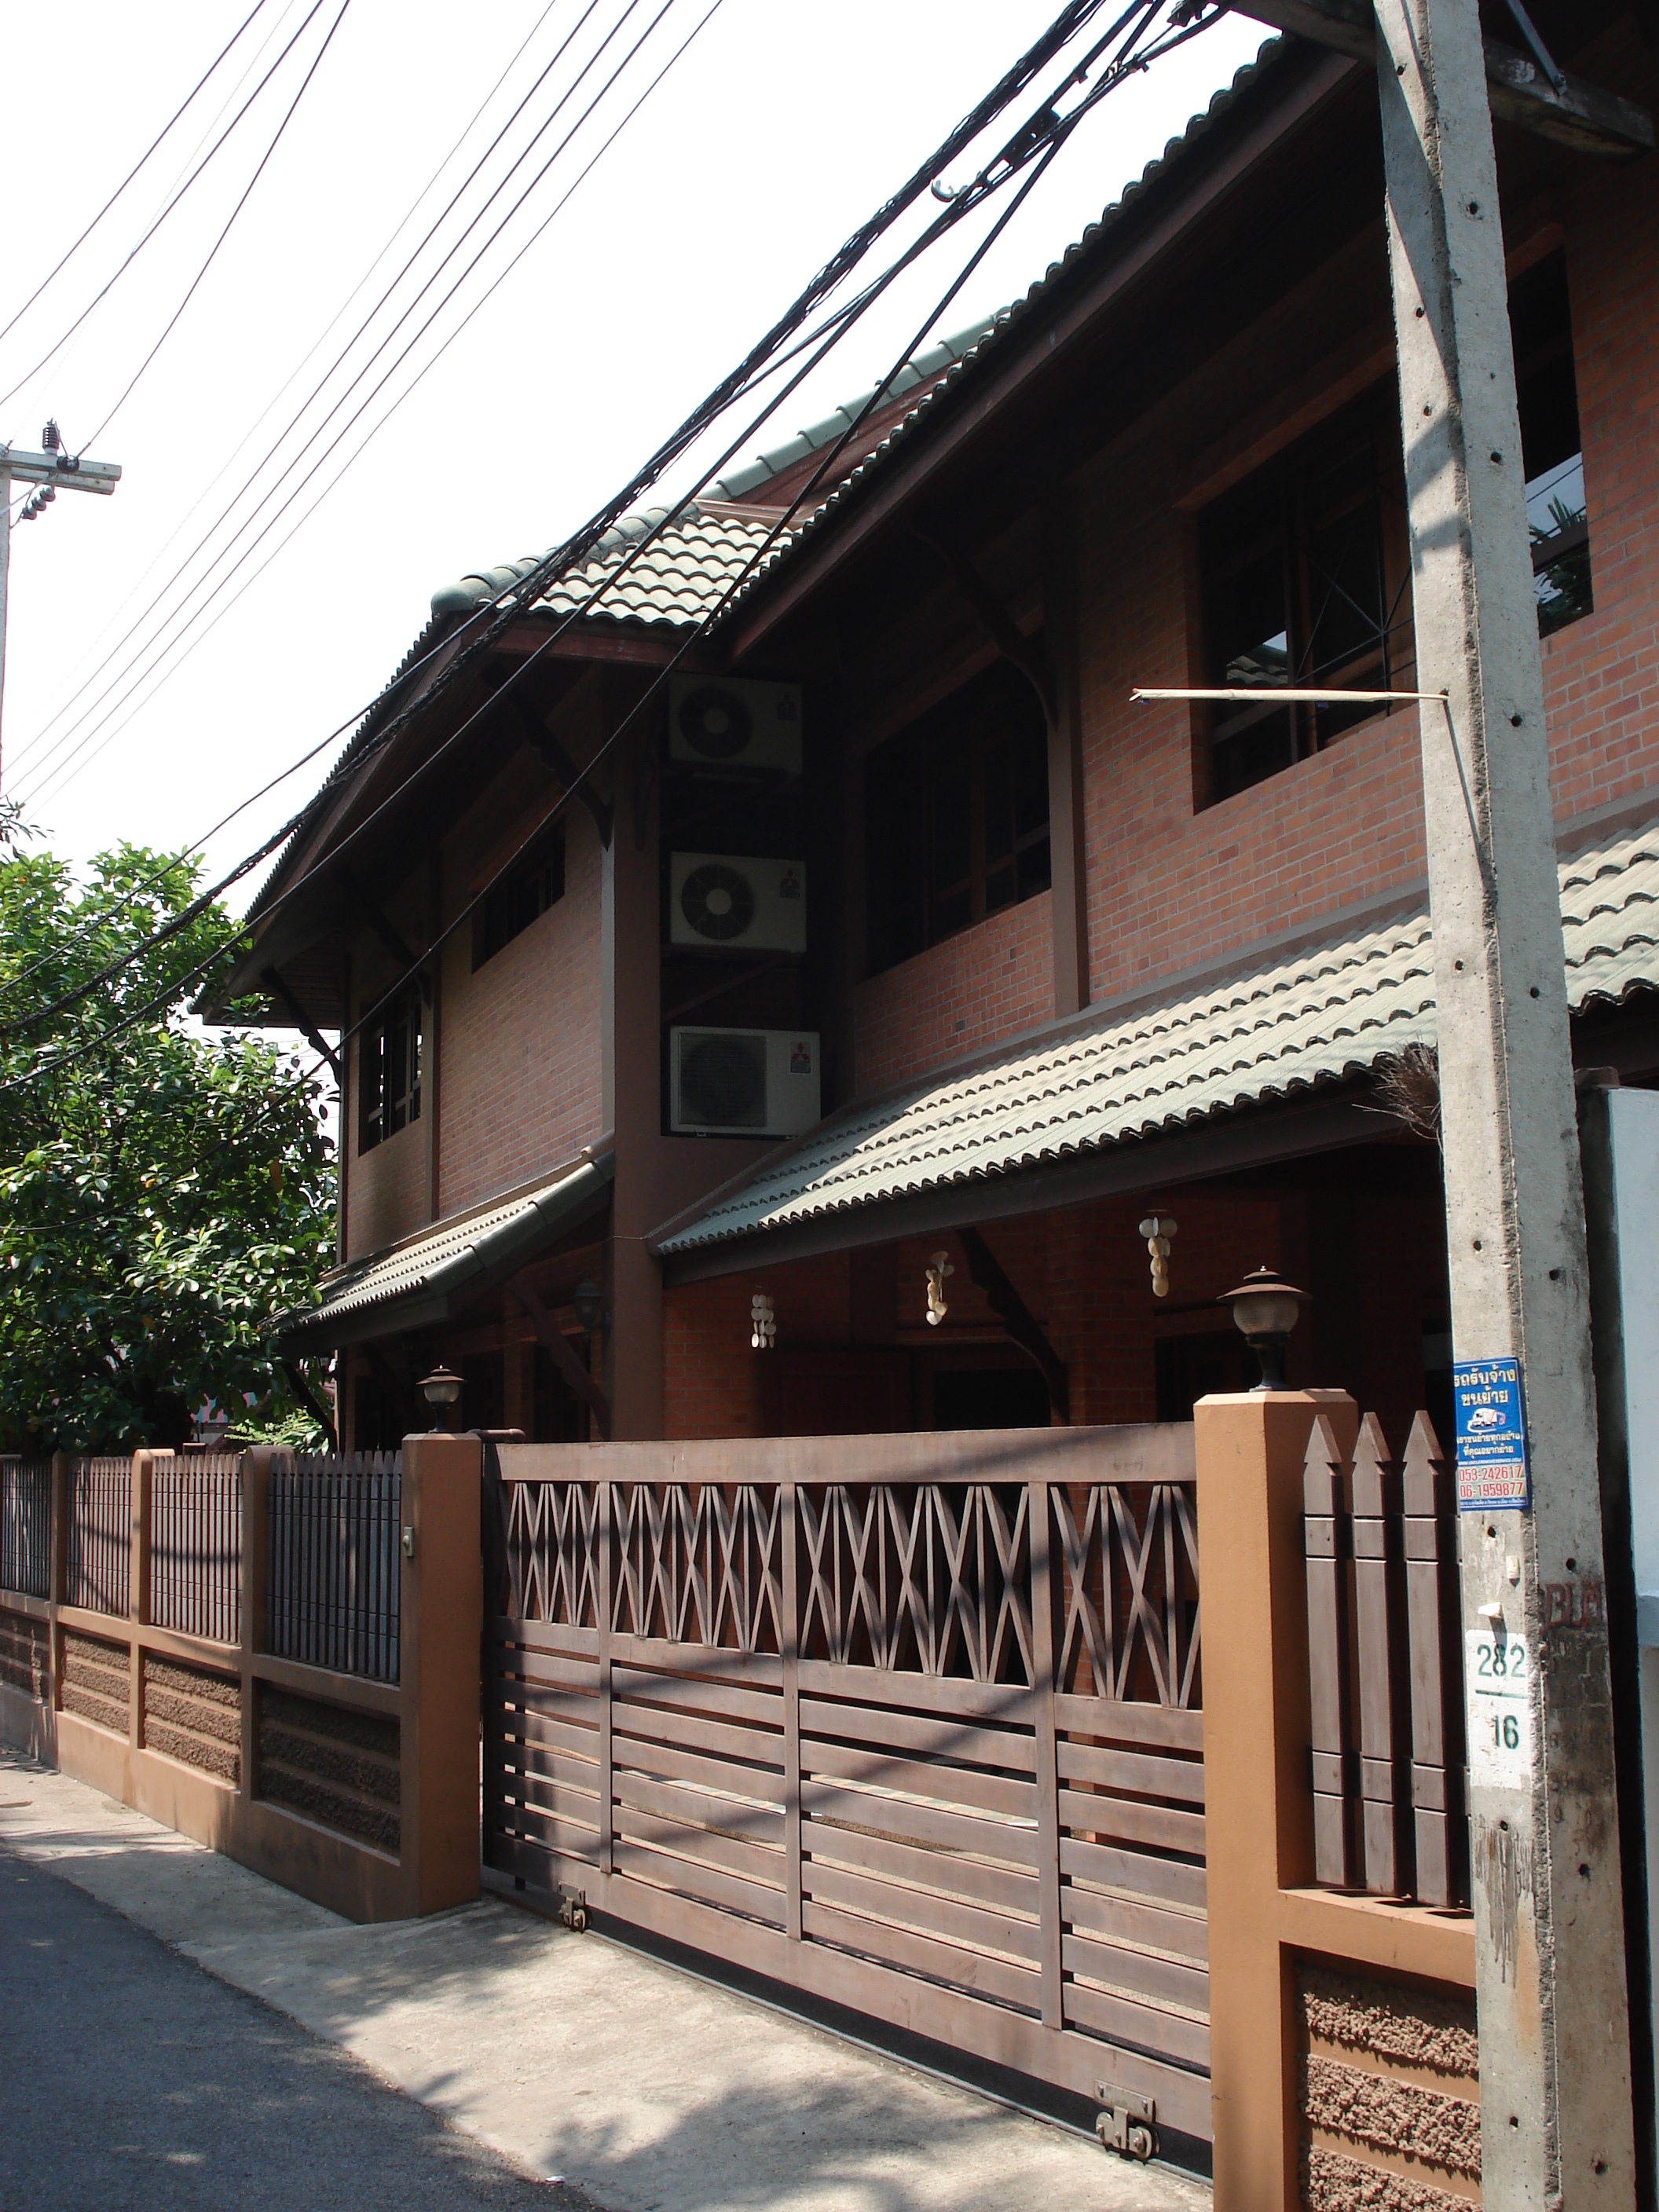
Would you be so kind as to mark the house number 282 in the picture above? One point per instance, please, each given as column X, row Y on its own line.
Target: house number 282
column 1500, row 1708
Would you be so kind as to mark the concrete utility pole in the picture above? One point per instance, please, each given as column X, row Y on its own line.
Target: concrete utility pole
column 54, row 471
column 1555, row 2082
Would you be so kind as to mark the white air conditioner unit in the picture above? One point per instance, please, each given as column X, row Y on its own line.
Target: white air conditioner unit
column 743, row 1082
column 735, row 904
column 730, row 721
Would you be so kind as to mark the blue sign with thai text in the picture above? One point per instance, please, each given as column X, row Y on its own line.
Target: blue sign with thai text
column 1492, row 1436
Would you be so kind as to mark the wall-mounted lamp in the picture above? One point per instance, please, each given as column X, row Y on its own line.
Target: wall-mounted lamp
column 762, row 1321
column 1157, row 1229
column 939, row 1267
column 1265, row 1311
column 588, row 1301
column 442, row 1389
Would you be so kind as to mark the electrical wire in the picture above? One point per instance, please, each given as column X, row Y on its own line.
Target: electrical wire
column 154, row 144
column 154, row 645
column 295, row 373
column 53, row 351
column 1065, row 28
column 54, row 783
column 1045, row 131
column 1027, row 144
column 247, row 191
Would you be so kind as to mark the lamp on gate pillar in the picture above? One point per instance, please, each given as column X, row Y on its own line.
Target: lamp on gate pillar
column 442, row 1389
column 1265, row 1311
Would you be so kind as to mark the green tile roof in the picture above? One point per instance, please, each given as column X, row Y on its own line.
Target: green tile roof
column 1317, row 1017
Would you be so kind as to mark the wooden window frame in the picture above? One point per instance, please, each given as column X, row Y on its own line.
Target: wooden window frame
column 398, row 1034
column 542, row 870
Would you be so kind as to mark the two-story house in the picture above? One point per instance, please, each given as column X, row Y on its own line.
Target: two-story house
column 824, row 1059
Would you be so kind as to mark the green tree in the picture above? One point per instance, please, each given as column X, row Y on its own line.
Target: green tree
column 163, row 1192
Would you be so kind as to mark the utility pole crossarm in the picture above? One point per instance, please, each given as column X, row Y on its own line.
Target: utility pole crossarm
column 64, row 472
column 1574, row 113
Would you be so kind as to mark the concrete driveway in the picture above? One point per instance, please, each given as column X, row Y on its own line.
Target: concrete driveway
column 580, row 2060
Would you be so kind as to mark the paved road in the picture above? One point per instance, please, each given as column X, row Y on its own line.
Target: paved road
column 132, row 2078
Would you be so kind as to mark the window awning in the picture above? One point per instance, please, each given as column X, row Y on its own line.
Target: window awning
column 426, row 1278
column 1301, row 1024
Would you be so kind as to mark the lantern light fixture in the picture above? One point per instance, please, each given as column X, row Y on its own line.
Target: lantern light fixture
column 1265, row 1309
column 442, row 1389
column 589, row 1301
column 1157, row 1229
column 939, row 1268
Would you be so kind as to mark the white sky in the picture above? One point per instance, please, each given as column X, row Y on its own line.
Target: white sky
column 780, row 129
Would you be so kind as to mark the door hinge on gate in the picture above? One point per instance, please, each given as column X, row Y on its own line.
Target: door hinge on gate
column 573, row 1908
column 1127, row 2122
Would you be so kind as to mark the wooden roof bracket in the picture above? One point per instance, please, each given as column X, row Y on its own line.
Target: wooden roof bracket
column 564, row 771
column 552, row 1338
column 1009, row 640
column 1572, row 113
column 391, row 937
column 1017, row 1319
column 302, row 1021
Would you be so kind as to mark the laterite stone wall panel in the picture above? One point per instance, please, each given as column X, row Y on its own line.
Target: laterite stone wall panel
column 340, row 1769
column 195, row 1716
column 25, row 1655
column 96, row 1685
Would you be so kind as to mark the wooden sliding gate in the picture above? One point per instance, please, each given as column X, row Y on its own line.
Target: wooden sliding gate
column 911, row 1723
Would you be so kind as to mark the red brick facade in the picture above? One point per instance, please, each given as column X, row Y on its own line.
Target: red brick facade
column 991, row 982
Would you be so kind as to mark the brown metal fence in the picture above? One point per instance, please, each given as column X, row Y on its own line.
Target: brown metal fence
column 196, row 1547
column 97, row 1567
column 923, row 1734
column 333, row 1572
column 1385, row 1666
column 26, row 1526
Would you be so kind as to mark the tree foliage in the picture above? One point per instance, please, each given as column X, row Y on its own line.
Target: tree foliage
column 163, row 1192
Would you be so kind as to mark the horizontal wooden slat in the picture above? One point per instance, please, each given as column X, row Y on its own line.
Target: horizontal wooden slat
column 942, row 1695
column 922, row 1909
column 760, row 1824
column 533, row 1664
column 1159, row 1826
column 556, row 1835
column 658, row 1656
column 675, row 1764
column 552, row 1700
column 919, row 1824
column 556, row 1795
column 724, row 1739
column 1166, row 2034
column 556, row 1767
column 1143, row 1874
column 672, row 1871
column 1160, row 1728
column 1137, row 1771
column 1070, row 2059
column 644, row 1685
column 933, row 1736
column 1138, row 1973
column 551, row 1635
column 993, row 1978
column 950, row 1785
column 756, row 1862
column 1125, row 1920
column 505, row 1726
column 1009, row 1889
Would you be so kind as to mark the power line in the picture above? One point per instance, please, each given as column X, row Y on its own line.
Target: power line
column 295, row 373
column 54, row 349
column 364, row 367
column 247, row 191
column 53, row 274
column 55, row 783
column 1045, row 133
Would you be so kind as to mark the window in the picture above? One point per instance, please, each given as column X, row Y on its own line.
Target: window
column 1540, row 323
column 389, row 1072
column 957, row 816
column 510, row 906
column 1306, row 581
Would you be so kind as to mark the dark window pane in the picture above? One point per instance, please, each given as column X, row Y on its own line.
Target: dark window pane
column 1035, row 874
column 510, row 906
column 952, row 826
column 999, row 803
column 951, row 915
column 1000, row 889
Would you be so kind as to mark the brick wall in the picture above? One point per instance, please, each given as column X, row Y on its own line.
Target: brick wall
column 991, row 981
column 387, row 1189
column 519, row 1049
